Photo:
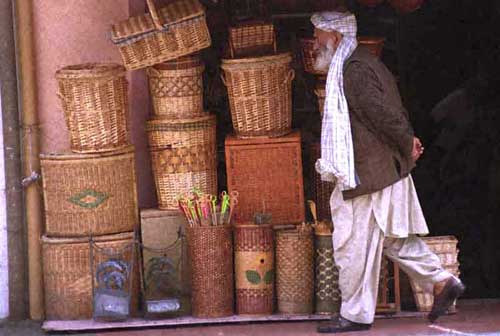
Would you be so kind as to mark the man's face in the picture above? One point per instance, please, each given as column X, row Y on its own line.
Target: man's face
column 325, row 45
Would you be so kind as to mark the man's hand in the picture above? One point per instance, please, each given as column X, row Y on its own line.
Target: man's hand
column 418, row 149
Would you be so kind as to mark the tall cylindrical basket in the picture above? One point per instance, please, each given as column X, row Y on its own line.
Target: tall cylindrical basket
column 327, row 291
column 295, row 272
column 254, row 269
column 210, row 251
column 95, row 103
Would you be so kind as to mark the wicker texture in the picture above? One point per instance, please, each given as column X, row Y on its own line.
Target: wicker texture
column 183, row 153
column 294, row 272
column 268, row 175
column 445, row 247
column 210, row 253
column 322, row 191
column 327, row 291
column 95, row 104
column 320, row 92
column 67, row 274
column 87, row 194
column 252, row 38
column 176, row 88
column 254, row 269
column 309, row 56
column 176, row 30
column 260, row 95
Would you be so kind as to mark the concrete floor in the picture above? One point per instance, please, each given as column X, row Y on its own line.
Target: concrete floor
column 474, row 318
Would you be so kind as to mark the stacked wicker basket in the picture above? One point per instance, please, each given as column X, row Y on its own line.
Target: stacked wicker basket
column 90, row 194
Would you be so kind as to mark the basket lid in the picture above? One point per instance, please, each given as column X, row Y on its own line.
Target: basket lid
column 90, row 70
column 255, row 62
column 76, row 156
column 142, row 26
column 371, row 39
column 80, row 240
column 181, row 63
column 160, row 122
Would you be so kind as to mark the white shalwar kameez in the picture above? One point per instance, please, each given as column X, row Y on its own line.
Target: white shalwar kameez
column 386, row 221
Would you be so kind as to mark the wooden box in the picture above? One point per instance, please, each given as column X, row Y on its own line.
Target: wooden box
column 267, row 173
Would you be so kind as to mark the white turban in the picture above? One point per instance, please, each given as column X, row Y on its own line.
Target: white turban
column 337, row 155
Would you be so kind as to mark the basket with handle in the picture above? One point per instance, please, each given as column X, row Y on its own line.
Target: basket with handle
column 95, row 103
column 253, row 37
column 260, row 95
column 176, row 30
column 176, row 88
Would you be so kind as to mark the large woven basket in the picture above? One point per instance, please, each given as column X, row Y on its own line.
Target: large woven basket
column 254, row 269
column 176, row 88
column 176, row 30
column 183, row 153
column 327, row 291
column 260, row 95
column 445, row 247
column 210, row 251
column 322, row 191
column 89, row 194
column 67, row 274
column 294, row 272
column 252, row 38
column 95, row 103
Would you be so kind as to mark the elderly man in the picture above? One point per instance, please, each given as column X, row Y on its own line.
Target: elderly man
column 368, row 149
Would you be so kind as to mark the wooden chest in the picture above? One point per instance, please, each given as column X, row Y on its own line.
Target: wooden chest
column 267, row 173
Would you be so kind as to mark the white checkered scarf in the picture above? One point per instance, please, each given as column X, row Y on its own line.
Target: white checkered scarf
column 337, row 155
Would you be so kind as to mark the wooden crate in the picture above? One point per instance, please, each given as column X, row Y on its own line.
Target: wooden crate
column 267, row 173
column 160, row 229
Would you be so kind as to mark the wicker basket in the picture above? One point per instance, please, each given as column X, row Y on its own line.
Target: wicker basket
column 445, row 247
column 183, row 153
column 327, row 277
column 89, row 194
column 294, row 272
column 260, row 95
column 67, row 274
column 176, row 30
column 95, row 103
column 252, row 38
column 322, row 191
column 210, row 251
column 254, row 269
column 176, row 88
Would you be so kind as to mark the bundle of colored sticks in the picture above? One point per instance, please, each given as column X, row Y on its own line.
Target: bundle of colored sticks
column 208, row 210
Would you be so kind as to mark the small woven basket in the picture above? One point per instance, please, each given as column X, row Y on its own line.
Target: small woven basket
column 176, row 30
column 254, row 269
column 445, row 247
column 183, row 153
column 67, row 274
column 176, row 88
column 95, row 103
column 309, row 56
column 260, row 95
column 320, row 93
column 327, row 291
column 89, row 194
column 210, row 251
column 322, row 191
column 252, row 38
column 295, row 272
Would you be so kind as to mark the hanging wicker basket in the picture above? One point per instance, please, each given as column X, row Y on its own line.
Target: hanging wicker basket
column 95, row 103
column 254, row 269
column 252, row 38
column 295, row 272
column 183, row 153
column 68, row 275
column 176, row 88
column 210, row 251
column 176, row 30
column 260, row 95
column 89, row 194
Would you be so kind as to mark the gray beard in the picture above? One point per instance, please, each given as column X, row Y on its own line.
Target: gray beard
column 324, row 59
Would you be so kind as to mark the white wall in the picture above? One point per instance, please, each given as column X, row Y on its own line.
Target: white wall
column 4, row 258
